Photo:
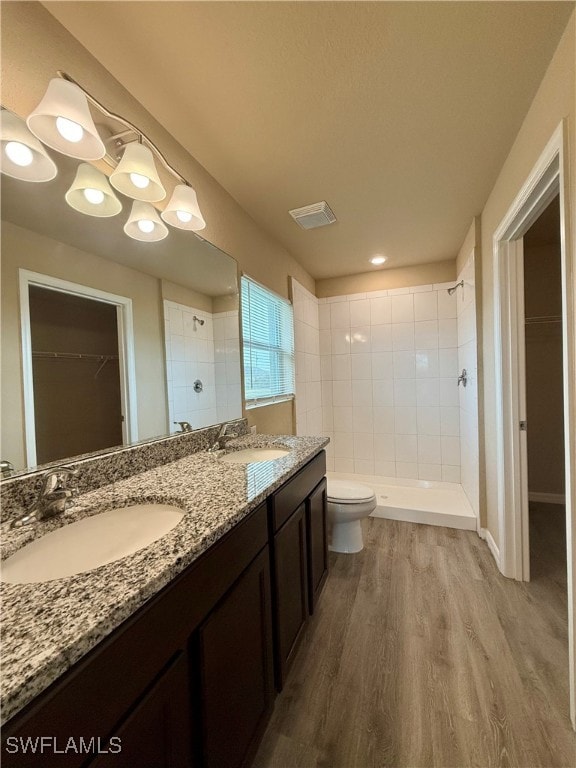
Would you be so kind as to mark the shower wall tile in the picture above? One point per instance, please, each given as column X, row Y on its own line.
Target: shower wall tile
column 360, row 313
column 389, row 368
column 207, row 352
column 313, row 358
column 403, row 309
column 385, row 364
column 227, row 369
column 425, row 306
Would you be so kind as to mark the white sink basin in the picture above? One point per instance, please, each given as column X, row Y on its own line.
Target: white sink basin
column 250, row 455
column 90, row 542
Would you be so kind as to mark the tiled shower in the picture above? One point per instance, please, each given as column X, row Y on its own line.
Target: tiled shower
column 388, row 381
column 201, row 346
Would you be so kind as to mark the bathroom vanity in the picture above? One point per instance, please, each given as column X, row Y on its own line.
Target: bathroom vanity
column 187, row 677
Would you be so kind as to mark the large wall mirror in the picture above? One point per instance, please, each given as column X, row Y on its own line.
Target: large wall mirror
column 105, row 339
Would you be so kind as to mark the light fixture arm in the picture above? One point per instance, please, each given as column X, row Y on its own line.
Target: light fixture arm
column 141, row 137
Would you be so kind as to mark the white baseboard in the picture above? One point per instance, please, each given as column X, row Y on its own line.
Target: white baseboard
column 547, row 498
column 487, row 536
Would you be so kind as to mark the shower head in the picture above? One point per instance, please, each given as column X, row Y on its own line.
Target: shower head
column 451, row 290
column 198, row 320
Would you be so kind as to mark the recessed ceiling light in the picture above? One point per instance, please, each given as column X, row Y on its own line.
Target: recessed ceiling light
column 377, row 260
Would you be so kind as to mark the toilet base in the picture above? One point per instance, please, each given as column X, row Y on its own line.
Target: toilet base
column 346, row 537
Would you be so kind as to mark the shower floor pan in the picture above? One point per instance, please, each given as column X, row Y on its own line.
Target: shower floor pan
column 417, row 501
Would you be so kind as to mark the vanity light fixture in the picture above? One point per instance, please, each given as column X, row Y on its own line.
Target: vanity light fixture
column 23, row 156
column 182, row 210
column 63, row 121
column 136, row 175
column 378, row 260
column 144, row 224
column 91, row 193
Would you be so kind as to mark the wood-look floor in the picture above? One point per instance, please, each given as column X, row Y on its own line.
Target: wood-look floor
column 421, row 654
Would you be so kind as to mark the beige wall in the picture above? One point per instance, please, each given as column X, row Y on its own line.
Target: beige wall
column 24, row 249
column 227, row 303
column 382, row 279
column 272, row 419
column 471, row 242
column 182, row 295
column 554, row 101
column 35, row 46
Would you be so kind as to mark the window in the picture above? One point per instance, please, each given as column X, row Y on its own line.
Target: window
column 268, row 343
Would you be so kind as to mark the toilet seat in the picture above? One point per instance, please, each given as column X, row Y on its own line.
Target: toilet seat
column 348, row 492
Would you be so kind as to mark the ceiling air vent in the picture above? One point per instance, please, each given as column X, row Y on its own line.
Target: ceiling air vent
column 315, row 215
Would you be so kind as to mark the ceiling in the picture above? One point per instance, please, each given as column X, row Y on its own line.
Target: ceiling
column 399, row 115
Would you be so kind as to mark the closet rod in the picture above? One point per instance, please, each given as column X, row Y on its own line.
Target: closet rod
column 543, row 319
column 72, row 356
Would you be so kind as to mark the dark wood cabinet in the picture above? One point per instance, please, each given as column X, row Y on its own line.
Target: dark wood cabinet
column 317, row 538
column 291, row 589
column 141, row 684
column 188, row 681
column 297, row 520
column 235, row 661
column 156, row 733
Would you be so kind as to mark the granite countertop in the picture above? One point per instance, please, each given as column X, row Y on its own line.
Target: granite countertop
column 47, row 627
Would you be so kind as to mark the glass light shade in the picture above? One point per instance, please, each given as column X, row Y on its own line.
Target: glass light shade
column 63, row 121
column 23, row 157
column 183, row 210
column 91, row 193
column 137, row 165
column 144, row 223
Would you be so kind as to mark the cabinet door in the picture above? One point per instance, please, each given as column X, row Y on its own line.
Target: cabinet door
column 156, row 734
column 236, row 669
column 317, row 543
column 291, row 590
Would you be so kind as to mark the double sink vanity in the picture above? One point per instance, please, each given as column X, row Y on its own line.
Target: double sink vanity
column 153, row 622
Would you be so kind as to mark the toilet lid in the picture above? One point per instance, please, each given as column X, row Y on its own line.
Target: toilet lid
column 348, row 491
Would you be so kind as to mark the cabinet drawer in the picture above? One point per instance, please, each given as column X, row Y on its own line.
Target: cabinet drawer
column 292, row 494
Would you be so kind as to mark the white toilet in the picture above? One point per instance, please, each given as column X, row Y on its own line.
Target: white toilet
column 348, row 503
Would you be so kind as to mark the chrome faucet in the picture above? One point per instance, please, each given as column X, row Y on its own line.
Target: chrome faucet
column 222, row 438
column 185, row 426
column 53, row 498
column 7, row 468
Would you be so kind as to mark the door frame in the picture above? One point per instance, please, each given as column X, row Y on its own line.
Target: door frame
column 126, row 355
column 548, row 178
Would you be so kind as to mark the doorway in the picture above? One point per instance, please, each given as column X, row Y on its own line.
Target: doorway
column 76, row 376
column 78, row 369
column 546, row 541
column 547, row 180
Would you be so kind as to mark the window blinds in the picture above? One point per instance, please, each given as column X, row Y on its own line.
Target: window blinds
column 268, row 342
